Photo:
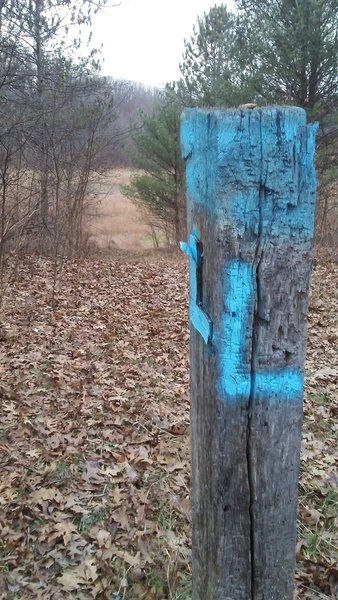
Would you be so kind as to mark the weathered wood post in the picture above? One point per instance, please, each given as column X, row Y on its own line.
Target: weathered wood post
column 251, row 196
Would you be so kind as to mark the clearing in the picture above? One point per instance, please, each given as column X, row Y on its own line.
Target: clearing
column 114, row 221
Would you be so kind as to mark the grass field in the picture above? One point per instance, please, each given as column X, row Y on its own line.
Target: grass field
column 115, row 220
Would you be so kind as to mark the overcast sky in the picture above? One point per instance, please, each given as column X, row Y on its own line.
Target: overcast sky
column 143, row 39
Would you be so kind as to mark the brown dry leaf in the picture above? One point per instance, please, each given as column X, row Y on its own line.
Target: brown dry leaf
column 120, row 516
column 66, row 530
column 146, row 552
column 103, row 538
column 7, row 495
column 176, row 466
column 113, row 470
column 326, row 374
column 72, row 503
column 70, row 580
column 312, row 516
column 178, row 429
column 45, row 494
column 87, row 570
column 101, row 585
column 35, row 453
column 54, row 442
column 140, row 515
column 332, row 575
column 133, row 561
column 300, row 545
column 92, row 472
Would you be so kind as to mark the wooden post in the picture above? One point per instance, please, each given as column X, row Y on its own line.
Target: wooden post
column 251, row 196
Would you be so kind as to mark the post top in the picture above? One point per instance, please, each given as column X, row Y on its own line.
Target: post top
column 250, row 107
column 270, row 113
column 236, row 156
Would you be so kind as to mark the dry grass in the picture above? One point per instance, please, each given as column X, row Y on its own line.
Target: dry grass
column 115, row 220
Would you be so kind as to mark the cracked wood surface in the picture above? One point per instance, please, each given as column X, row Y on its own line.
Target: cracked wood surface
column 251, row 195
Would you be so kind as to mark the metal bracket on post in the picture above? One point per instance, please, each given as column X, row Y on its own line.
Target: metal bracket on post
column 198, row 317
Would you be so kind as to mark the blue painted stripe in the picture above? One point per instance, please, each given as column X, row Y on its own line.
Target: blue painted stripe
column 284, row 383
column 235, row 336
column 234, row 343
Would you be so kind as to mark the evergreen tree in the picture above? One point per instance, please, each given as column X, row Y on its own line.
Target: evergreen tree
column 210, row 69
column 289, row 50
column 159, row 187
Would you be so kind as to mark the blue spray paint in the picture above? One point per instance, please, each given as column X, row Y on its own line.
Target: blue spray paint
column 235, row 330
column 234, row 340
column 234, row 344
column 198, row 317
column 284, row 383
column 256, row 178
column 249, row 137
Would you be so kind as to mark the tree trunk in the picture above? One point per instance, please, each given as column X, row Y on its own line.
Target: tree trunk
column 40, row 89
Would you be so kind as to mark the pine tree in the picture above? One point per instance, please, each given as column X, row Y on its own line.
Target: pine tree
column 159, row 187
column 289, row 50
column 209, row 67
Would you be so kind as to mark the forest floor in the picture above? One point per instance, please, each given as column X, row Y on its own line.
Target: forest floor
column 94, row 434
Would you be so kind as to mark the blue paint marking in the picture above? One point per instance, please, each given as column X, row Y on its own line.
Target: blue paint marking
column 286, row 383
column 234, row 343
column 197, row 316
column 252, row 173
column 235, row 333
column 245, row 178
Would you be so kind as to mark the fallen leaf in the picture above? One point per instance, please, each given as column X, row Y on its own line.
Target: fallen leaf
column 133, row 561
column 70, row 580
column 65, row 529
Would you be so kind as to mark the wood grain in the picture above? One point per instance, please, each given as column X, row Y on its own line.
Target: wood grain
column 251, row 196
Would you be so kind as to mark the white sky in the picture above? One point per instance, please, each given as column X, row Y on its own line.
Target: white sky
column 143, row 39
